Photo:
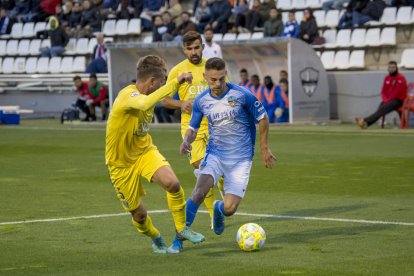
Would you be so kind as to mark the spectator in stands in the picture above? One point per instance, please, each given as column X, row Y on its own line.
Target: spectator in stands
column 270, row 93
column 67, row 11
column 345, row 22
column 186, row 26
column 308, row 29
column 283, row 74
column 124, row 10
column 393, row 94
column 6, row 22
column 259, row 14
column 83, row 91
column 99, row 57
column 158, row 29
column 291, row 27
column 211, row 49
column 150, row 7
column 274, row 25
column 240, row 13
column 21, row 7
column 60, row 15
column 7, row 4
column 98, row 96
column 90, row 20
column 256, row 87
column 168, row 24
column 195, row 5
column 281, row 113
column 138, row 6
column 45, row 9
column 202, row 13
column 220, row 13
column 58, row 39
column 74, row 19
column 372, row 12
column 244, row 77
column 175, row 11
column 334, row 4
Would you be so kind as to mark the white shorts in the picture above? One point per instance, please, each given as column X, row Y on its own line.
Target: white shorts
column 236, row 174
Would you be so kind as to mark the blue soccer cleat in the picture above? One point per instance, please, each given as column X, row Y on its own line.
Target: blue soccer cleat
column 218, row 219
column 176, row 246
column 158, row 245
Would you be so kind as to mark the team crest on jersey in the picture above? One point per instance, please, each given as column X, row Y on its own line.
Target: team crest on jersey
column 232, row 101
column 134, row 94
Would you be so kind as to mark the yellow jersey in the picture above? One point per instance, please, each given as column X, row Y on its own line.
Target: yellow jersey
column 127, row 128
column 188, row 91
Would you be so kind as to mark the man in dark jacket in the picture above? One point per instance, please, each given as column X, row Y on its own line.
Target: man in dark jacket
column 259, row 14
column 274, row 25
column 220, row 14
column 373, row 11
column 186, row 26
column 58, row 39
column 393, row 94
column 90, row 19
column 345, row 22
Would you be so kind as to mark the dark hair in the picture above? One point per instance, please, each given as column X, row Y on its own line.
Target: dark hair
column 190, row 37
column 310, row 13
column 187, row 13
column 93, row 76
column 255, row 77
column 291, row 12
column 150, row 66
column 393, row 62
column 208, row 29
column 283, row 71
column 77, row 77
column 285, row 81
column 215, row 63
column 243, row 70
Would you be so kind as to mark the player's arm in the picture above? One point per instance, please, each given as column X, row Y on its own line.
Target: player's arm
column 267, row 156
column 191, row 133
column 172, row 103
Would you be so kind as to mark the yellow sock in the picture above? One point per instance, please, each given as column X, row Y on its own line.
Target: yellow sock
column 209, row 200
column 147, row 228
column 176, row 204
column 220, row 186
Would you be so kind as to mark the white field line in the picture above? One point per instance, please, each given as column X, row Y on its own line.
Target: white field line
column 202, row 211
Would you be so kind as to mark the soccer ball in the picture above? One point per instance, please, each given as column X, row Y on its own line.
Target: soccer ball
column 251, row 237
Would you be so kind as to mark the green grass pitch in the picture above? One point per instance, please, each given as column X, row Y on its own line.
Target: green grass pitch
column 52, row 171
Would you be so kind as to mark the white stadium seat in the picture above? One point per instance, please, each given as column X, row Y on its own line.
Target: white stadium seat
column 407, row 59
column 342, row 60
column 298, row 4
column 45, row 43
column 313, row 4
column 373, row 37
column 343, row 38
column 330, row 38
column 332, row 18
column 357, row 59
column 28, row 30
column 389, row 36
column 1, row 67
column 54, row 65
column 284, row 4
column 20, row 65
column 257, row 35
column 327, row 59
column 34, row 49
column 70, row 49
column 320, row 18
column 299, row 16
column 91, row 44
column 109, row 27
column 8, row 65
column 388, row 17
column 31, row 65
column 147, row 39
column 285, row 17
column 134, row 26
column 404, row 15
column 79, row 64
column 121, row 27
column 24, row 47
column 12, row 47
column 43, row 65
column 66, row 66
column 40, row 26
column 358, row 38
column 244, row 36
column 3, row 45
column 17, row 30
column 229, row 37
column 217, row 37
column 82, row 46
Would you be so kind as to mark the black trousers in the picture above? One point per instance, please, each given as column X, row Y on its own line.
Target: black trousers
column 82, row 106
column 383, row 109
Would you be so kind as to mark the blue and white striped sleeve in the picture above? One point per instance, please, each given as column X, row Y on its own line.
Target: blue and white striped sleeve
column 196, row 116
column 254, row 106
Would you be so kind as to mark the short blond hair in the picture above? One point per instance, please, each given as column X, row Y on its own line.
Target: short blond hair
column 150, row 66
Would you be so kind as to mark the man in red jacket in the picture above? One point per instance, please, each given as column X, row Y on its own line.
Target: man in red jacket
column 83, row 90
column 393, row 94
column 98, row 96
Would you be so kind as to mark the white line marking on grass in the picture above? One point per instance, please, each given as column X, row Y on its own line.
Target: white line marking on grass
column 206, row 212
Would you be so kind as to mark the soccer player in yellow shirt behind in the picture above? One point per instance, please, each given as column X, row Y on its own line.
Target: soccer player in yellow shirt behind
column 130, row 153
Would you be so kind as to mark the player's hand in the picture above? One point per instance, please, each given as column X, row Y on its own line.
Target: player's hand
column 268, row 158
column 185, row 77
column 185, row 147
column 279, row 112
column 186, row 106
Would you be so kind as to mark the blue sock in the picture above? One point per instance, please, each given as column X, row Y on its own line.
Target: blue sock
column 191, row 210
column 221, row 208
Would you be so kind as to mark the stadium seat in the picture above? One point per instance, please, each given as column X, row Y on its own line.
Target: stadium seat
column 373, row 37
column 147, row 39
column 244, row 36
column 217, row 37
column 357, row 59
column 12, row 47
column 82, row 46
column 332, row 18
column 229, row 37
column 34, row 49
column 45, row 43
column 40, row 26
column 285, row 17
column 3, row 45
column 298, row 4
column 24, row 47
column 70, row 49
column 91, row 44
column 79, row 64
column 121, row 27
column 343, row 38
column 17, row 30
column 257, row 35
column 1, row 63
column 54, row 65
column 19, row 65
column 358, row 38
column 327, row 59
column 8, row 65
column 43, row 65
column 66, row 66
column 28, row 30
column 31, row 65
column 330, row 38
column 320, row 18
column 388, row 17
column 313, row 4
column 388, row 36
column 299, row 16
column 134, row 26
column 407, row 59
column 109, row 27
column 404, row 16
column 342, row 60
column 284, row 5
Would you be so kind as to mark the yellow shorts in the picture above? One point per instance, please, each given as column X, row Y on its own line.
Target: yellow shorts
column 127, row 180
column 198, row 151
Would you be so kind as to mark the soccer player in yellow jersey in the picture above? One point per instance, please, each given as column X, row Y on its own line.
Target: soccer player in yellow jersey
column 195, row 64
column 130, row 153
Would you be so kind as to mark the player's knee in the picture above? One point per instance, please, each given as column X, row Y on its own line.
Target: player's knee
column 172, row 185
column 230, row 208
column 139, row 215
